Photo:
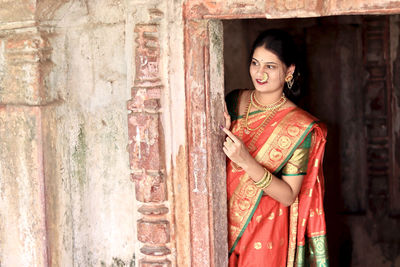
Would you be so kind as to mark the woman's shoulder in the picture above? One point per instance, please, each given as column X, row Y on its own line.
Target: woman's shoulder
column 305, row 119
column 233, row 102
column 235, row 94
column 301, row 113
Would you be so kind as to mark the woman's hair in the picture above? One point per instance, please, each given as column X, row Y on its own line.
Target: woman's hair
column 282, row 45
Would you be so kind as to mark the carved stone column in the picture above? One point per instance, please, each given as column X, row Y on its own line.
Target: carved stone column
column 146, row 144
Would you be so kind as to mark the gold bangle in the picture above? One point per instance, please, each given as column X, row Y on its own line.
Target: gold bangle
column 262, row 180
column 265, row 181
column 265, row 184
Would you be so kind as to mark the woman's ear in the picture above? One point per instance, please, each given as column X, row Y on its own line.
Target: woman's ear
column 290, row 69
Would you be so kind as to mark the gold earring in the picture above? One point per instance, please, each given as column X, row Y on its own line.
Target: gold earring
column 289, row 81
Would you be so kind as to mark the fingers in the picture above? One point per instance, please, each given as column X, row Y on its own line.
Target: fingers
column 225, row 151
column 230, row 134
column 226, row 113
column 228, row 142
column 227, row 117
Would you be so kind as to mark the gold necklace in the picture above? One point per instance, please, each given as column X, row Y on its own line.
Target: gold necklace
column 256, row 103
column 273, row 108
column 244, row 127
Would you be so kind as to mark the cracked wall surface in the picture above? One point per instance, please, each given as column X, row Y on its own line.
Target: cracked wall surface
column 68, row 200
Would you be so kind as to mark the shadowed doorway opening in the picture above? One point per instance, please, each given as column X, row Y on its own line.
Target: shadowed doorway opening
column 350, row 69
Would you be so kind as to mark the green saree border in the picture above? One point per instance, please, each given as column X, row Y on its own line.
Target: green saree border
column 251, row 113
column 306, row 132
column 294, row 174
column 313, row 253
column 247, row 222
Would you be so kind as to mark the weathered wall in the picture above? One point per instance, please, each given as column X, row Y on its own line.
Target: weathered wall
column 65, row 182
column 90, row 198
column 22, row 217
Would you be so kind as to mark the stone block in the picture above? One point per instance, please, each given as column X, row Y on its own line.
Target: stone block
column 17, row 10
column 106, row 11
column 147, row 263
column 24, row 66
column 385, row 6
column 150, row 188
column 153, row 232
column 294, row 8
column 22, row 227
column 145, row 141
column 147, row 59
column 153, row 210
column 145, row 99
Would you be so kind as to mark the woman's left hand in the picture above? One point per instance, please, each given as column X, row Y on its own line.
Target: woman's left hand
column 235, row 149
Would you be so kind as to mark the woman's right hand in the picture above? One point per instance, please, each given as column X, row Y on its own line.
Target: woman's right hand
column 227, row 117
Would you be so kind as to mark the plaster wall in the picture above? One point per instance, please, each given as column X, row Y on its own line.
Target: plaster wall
column 66, row 194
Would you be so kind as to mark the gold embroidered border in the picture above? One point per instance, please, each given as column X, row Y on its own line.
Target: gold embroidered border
column 242, row 206
column 294, row 216
column 283, row 139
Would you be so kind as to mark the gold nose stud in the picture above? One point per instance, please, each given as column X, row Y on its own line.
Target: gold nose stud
column 265, row 78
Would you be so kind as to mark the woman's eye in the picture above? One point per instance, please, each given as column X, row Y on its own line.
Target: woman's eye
column 270, row 66
column 253, row 62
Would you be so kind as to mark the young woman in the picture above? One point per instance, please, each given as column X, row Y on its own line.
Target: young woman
column 274, row 169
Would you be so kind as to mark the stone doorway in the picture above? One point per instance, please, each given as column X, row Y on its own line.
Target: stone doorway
column 205, row 94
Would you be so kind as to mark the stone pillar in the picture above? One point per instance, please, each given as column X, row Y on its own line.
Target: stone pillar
column 207, row 178
column 146, row 143
column 23, row 53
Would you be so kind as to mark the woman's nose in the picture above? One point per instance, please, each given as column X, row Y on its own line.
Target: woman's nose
column 261, row 70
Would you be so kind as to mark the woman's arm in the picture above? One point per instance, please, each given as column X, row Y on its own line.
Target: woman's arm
column 285, row 191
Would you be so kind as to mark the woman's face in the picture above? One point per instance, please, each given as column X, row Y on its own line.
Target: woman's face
column 264, row 61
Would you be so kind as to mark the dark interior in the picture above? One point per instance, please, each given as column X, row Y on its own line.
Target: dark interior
column 350, row 72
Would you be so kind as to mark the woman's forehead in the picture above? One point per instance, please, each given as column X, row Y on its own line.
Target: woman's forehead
column 264, row 55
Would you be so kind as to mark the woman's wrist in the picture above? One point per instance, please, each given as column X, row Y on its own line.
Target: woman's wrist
column 247, row 163
column 254, row 169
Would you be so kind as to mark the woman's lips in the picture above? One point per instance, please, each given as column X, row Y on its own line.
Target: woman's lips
column 261, row 82
column 264, row 79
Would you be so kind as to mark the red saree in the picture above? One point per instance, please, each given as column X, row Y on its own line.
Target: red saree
column 263, row 232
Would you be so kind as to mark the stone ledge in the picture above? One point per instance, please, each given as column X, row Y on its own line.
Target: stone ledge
column 155, row 251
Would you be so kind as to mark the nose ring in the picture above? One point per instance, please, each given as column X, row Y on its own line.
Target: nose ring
column 265, row 77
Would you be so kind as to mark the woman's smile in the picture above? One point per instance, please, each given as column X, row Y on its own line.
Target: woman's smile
column 261, row 81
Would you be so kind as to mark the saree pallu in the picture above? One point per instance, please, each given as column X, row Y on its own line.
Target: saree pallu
column 263, row 232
